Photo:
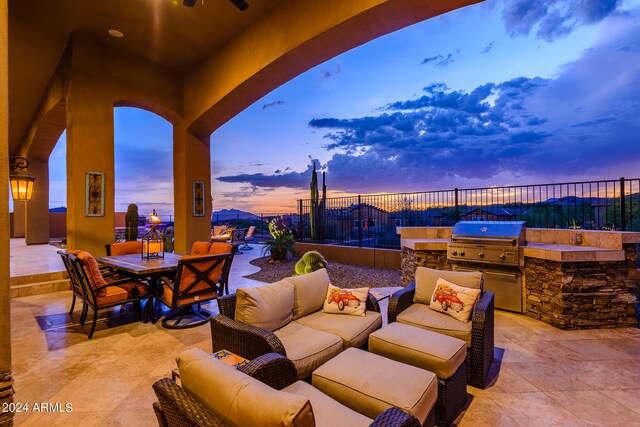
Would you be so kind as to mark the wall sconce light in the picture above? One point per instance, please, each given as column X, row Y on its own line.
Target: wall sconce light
column 21, row 180
column 152, row 240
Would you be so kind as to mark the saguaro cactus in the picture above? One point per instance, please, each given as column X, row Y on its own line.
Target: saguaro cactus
column 131, row 222
column 316, row 213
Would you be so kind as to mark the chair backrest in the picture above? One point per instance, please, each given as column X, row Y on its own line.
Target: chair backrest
column 76, row 283
column 250, row 232
column 200, row 248
column 199, row 276
column 125, row 248
column 238, row 235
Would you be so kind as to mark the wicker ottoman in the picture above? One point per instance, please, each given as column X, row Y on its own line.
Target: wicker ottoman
column 438, row 353
column 370, row 384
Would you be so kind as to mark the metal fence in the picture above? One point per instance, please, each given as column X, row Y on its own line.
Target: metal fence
column 371, row 220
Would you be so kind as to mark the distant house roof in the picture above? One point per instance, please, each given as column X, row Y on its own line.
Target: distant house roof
column 498, row 210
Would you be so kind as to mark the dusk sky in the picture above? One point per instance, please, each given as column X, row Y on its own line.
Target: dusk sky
column 499, row 93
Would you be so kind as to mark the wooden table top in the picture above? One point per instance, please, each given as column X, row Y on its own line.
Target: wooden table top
column 134, row 263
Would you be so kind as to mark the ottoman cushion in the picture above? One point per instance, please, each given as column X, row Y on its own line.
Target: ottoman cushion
column 354, row 330
column 438, row 353
column 308, row 348
column 370, row 384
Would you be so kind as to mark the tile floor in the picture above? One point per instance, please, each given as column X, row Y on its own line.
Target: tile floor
column 541, row 375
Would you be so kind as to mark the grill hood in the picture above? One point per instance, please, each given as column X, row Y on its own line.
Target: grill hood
column 513, row 231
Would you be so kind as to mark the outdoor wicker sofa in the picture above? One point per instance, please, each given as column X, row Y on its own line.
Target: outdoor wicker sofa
column 478, row 333
column 264, row 392
column 285, row 317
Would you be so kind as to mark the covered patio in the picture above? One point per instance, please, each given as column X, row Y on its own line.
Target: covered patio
column 65, row 66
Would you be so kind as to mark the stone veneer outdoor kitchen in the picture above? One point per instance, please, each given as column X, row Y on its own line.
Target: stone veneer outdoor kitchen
column 570, row 286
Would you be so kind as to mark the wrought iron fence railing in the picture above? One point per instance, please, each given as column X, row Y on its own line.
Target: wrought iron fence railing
column 371, row 220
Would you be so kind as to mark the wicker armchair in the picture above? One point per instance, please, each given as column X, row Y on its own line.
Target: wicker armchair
column 246, row 340
column 176, row 408
column 480, row 354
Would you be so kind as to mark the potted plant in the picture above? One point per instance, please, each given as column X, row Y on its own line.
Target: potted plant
column 281, row 242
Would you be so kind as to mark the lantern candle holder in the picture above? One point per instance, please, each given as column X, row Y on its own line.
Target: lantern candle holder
column 152, row 240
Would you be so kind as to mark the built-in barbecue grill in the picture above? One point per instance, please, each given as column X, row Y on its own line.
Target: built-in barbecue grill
column 494, row 247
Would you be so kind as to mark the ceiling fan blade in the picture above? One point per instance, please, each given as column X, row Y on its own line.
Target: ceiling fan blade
column 240, row 4
column 189, row 3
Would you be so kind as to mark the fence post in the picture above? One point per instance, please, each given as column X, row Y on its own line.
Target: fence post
column 623, row 214
column 456, row 212
column 359, row 221
column 300, row 225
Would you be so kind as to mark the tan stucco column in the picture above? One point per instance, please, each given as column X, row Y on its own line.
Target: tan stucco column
column 18, row 221
column 191, row 163
column 89, row 149
column 6, row 382
column 37, row 209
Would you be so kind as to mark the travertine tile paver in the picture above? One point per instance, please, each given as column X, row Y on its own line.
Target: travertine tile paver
column 541, row 375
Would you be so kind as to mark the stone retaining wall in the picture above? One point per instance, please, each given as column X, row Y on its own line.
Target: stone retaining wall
column 412, row 259
column 580, row 295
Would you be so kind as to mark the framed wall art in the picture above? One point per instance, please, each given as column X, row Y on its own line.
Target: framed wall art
column 198, row 198
column 95, row 194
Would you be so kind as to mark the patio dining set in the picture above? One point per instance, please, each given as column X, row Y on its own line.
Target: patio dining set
column 179, row 282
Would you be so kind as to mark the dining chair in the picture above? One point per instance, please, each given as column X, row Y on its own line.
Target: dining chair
column 100, row 294
column 248, row 237
column 199, row 278
column 131, row 247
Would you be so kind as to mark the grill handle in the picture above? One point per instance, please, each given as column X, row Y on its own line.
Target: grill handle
column 480, row 239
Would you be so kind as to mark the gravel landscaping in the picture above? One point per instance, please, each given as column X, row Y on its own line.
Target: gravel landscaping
column 341, row 275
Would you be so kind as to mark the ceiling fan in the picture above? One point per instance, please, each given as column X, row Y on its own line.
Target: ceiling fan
column 240, row 4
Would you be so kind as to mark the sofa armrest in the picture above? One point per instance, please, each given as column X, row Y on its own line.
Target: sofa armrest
column 273, row 369
column 227, row 305
column 176, row 408
column 482, row 340
column 395, row 417
column 400, row 301
column 373, row 304
column 242, row 339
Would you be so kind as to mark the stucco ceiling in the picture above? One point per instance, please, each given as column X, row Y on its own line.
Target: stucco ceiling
column 162, row 31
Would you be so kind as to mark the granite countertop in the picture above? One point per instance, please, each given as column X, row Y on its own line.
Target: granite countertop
column 572, row 253
column 549, row 251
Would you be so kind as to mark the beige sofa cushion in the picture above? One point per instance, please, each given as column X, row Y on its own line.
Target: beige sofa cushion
column 370, row 384
column 309, row 292
column 426, row 279
column 438, row 353
column 422, row 316
column 327, row 411
column 308, row 348
column 269, row 306
column 354, row 330
column 236, row 398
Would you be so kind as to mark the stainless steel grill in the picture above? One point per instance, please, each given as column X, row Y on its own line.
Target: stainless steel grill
column 494, row 247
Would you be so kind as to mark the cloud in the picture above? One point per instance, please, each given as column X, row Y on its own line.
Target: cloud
column 328, row 74
column 581, row 125
column 488, row 48
column 440, row 60
column 272, row 104
column 431, row 59
column 553, row 19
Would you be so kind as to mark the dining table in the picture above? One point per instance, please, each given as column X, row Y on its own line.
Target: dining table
column 151, row 270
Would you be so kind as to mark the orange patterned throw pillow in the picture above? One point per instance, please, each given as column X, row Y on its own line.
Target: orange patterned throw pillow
column 346, row 301
column 456, row 301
